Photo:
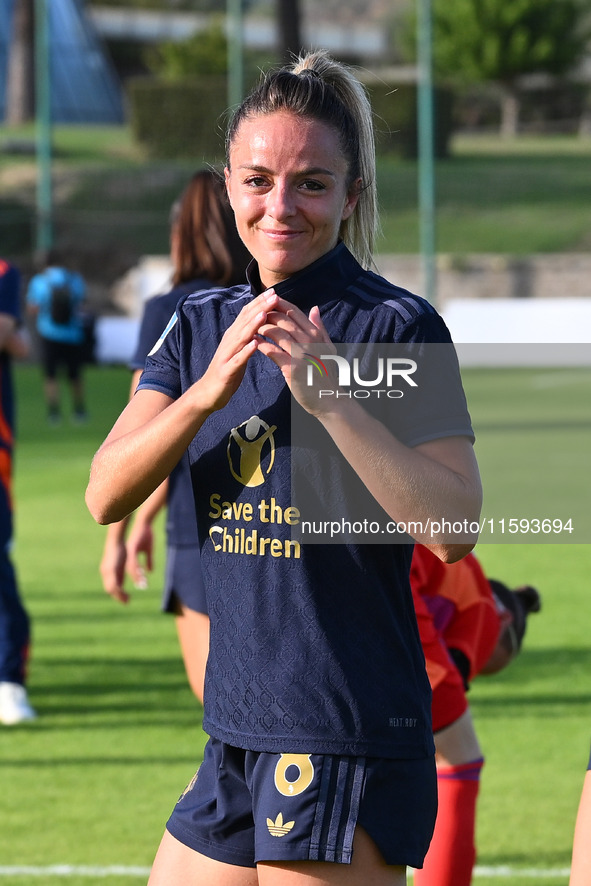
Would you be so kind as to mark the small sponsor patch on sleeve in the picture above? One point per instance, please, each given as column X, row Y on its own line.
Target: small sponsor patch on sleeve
column 170, row 325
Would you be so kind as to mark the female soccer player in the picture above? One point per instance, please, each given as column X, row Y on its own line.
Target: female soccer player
column 320, row 766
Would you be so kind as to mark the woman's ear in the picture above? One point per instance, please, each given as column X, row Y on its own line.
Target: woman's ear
column 352, row 199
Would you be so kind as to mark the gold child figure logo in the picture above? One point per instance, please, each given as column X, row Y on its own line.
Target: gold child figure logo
column 248, row 445
column 241, row 524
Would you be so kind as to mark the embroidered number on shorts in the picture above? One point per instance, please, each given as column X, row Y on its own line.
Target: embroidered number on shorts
column 290, row 787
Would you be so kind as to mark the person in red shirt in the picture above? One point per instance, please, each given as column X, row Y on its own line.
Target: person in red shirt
column 468, row 625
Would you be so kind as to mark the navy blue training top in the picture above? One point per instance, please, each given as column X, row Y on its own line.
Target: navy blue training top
column 314, row 648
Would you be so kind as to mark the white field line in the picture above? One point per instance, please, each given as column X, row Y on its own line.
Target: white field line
column 69, row 870
column 506, row 871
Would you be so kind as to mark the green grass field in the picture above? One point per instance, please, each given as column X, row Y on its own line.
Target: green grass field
column 91, row 782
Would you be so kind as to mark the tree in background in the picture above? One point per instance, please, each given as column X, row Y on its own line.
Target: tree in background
column 288, row 18
column 500, row 41
column 165, row 5
column 204, row 52
column 207, row 50
column 20, row 95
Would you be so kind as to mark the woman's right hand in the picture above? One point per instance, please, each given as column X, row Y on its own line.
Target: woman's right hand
column 225, row 372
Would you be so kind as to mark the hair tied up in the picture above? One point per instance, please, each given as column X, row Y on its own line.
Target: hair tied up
column 310, row 72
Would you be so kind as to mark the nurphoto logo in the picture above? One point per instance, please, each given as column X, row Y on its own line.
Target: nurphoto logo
column 379, row 380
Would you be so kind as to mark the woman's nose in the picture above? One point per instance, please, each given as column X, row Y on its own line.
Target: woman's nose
column 281, row 201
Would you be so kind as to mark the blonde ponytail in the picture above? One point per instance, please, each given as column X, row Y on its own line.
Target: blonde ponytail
column 360, row 230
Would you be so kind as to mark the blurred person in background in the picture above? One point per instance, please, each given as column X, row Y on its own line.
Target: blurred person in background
column 54, row 300
column 15, row 630
column 205, row 251
column 469, row 625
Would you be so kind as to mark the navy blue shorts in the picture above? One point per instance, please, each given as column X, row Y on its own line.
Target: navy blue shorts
column 182, row 579
column 56, row 354
column 243, row 807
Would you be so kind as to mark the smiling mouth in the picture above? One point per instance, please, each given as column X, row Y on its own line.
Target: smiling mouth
column 280, row 235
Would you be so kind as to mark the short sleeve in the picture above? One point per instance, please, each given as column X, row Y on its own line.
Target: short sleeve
column 155, row 318
column 161, row 372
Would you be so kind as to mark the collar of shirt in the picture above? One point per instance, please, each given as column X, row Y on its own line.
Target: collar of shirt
column 315, row 284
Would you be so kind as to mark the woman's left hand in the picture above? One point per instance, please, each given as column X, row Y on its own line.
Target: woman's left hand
column 285, row 339
column 436, row 480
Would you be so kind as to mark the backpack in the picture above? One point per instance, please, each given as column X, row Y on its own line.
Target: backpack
column 60, row 306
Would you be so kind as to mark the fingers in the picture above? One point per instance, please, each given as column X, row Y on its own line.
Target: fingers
column 138, row 571
column 316, row 319
column 273, row 317
column 289, row 332
column 119, row 594
column 286, row 320
column 252, row 316
column 269, row 323
column 114, row 588
column 112, row 570
column 239, row 341
column 139, row 577
column 139, row 562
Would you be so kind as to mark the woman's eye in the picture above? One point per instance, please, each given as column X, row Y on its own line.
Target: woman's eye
column 312, row 185
column 256, row 181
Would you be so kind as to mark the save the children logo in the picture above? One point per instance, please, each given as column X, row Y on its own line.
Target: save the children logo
column 378, row 381
column 251, row 451
column 248, row 525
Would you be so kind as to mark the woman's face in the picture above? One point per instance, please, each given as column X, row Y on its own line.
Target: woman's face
column 287, row 183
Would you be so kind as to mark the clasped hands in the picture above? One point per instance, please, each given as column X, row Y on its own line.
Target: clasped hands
column 279, row 330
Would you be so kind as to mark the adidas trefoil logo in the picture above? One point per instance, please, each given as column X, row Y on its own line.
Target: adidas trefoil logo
column 277, row 828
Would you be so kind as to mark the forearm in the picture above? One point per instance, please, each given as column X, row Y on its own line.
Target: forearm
column 139, row 454
column 152, row 506
column 153, row 431
column 117, row 532
column 434, row 482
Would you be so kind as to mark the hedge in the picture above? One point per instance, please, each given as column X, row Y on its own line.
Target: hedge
column 179, row 119
column 396, row 119
column 187, row 119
